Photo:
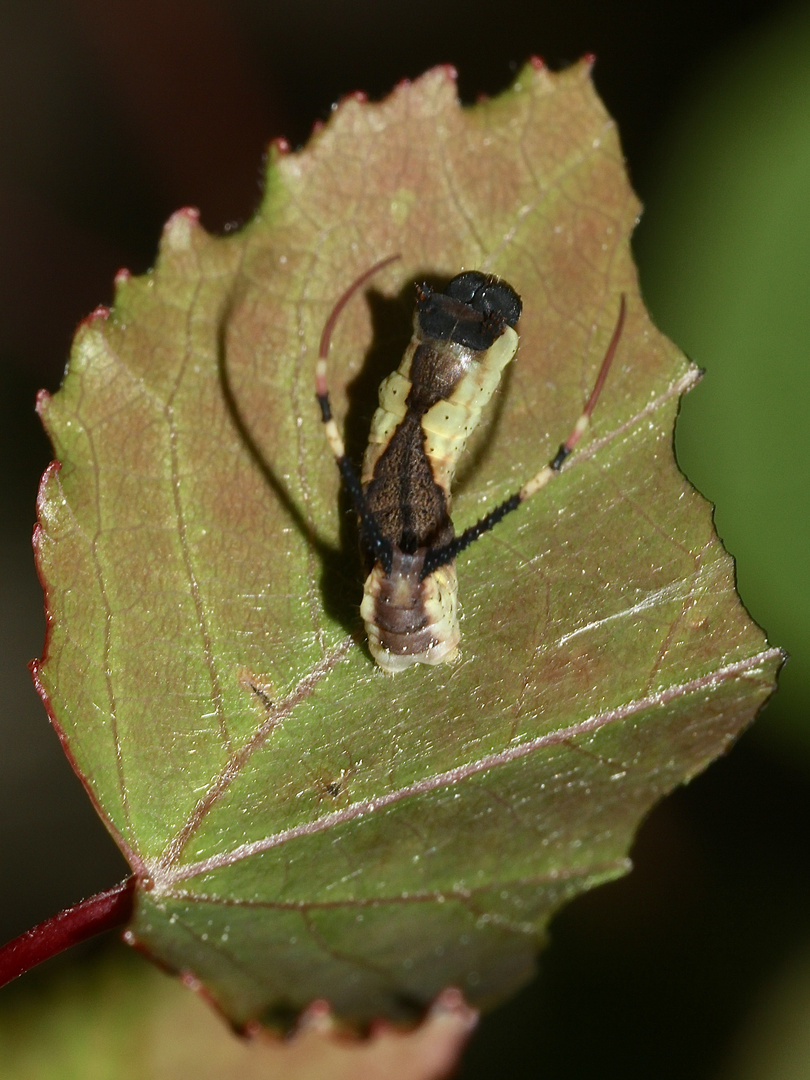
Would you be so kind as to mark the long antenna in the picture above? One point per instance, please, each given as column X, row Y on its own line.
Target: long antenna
column 377, row 544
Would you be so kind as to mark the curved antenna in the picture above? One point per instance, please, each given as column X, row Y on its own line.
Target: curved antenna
column 377, row 545
column 337, row 310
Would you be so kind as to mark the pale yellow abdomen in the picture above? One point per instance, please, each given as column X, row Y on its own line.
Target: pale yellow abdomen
column 408, row 620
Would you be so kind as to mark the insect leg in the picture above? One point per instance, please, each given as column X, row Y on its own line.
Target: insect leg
column 378, row 545
column 442, row 555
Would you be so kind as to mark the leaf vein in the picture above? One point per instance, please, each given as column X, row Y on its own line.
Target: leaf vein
column 164, row 877
column 239, row 758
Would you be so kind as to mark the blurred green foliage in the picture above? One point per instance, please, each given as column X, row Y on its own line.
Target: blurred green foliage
column 725, row 266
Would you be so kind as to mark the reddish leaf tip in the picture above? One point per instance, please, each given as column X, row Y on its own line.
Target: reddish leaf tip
column 538, row 63
column 280, row 145
column 101, row 312
column 190, row 981
column 50, row 473
column 42, row 401
column 189, row 213
column 589, row 59
column 51, row 470
column 447, row 71
column 317, row 1016
column 451, row 1002
column 253, row 1029
column 357, row 97
column 180, row 230
column 381, row 1027
column 122, row 276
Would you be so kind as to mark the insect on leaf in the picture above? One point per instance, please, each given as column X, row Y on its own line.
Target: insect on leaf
column 303, row 826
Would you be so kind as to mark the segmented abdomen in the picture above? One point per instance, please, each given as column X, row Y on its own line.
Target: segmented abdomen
column 409, row 620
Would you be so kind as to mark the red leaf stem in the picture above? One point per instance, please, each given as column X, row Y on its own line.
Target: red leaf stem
column 104, row 911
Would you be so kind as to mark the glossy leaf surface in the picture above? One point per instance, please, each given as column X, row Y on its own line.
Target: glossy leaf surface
column 304, row 826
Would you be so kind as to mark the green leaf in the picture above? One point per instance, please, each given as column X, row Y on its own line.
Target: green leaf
column 302, row 825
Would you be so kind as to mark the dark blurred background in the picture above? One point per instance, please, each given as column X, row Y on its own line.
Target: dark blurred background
column 114, row 113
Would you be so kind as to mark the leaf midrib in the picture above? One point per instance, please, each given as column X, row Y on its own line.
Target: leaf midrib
column 165, row 873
